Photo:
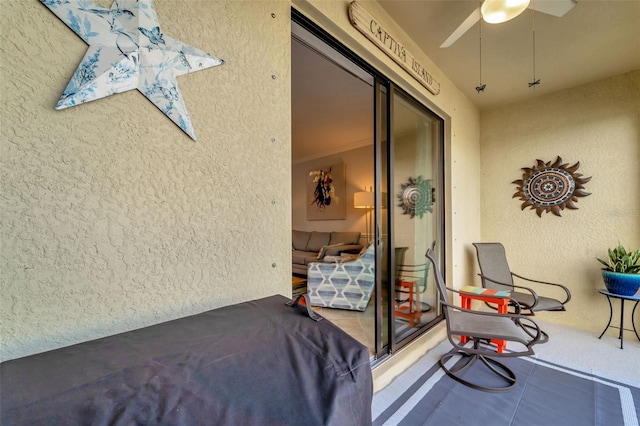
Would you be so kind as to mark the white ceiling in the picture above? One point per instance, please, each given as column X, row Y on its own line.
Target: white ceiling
column 332, row 110
column 594, row 40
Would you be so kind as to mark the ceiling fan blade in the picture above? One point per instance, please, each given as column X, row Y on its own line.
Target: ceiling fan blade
column 552, row 7
column 463, row 28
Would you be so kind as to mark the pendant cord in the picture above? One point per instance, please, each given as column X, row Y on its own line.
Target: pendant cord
column 480, row 87
column 535, row 81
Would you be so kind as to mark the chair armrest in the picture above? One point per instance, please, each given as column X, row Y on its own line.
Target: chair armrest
column 566, row 290
column 530, row 290
column 484, row 313
column 484, row 277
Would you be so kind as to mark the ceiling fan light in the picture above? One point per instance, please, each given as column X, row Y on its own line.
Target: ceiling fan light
column 499, row 11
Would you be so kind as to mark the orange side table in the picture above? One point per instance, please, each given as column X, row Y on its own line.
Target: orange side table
column 409, row 312
column 500, row 298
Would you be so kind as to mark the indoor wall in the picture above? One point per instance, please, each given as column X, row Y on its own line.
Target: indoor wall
column 358, row 165
column 597, row 124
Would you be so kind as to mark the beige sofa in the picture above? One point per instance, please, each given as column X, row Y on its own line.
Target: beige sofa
column 313, row 246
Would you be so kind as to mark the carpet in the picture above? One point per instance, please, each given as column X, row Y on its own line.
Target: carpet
column 299, row 286
column 546, row 394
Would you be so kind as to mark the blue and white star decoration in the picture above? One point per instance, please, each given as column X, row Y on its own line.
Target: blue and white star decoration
column 128, row 51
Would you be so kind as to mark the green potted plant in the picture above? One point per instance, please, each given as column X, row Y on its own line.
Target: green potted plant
column 621, row 272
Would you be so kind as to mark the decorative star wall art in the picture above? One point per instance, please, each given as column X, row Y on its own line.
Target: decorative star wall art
column 548, row 187
column 128, row 51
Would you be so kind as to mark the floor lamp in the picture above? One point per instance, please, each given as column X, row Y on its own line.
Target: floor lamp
column 365, row 200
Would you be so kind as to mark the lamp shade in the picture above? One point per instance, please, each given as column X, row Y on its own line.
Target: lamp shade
column 499, row 11
column 363, row 200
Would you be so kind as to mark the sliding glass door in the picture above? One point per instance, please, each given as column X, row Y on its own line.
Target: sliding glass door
column 406, row 145
column 410, row 181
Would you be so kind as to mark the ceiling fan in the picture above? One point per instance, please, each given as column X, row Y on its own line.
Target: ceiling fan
column 498, row 11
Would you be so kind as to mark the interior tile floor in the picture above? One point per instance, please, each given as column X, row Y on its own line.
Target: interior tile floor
column 359, row 325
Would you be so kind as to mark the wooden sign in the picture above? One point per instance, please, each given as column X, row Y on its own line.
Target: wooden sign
column 364, row 22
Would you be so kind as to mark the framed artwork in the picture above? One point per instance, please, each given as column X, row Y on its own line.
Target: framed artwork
column 326, row 189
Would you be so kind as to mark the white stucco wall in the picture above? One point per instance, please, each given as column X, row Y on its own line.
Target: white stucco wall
column 112, row 218
column 597, row 124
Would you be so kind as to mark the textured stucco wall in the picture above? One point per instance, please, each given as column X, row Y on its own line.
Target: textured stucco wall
column 462, row 151
column 112, row 218
column 597, row 124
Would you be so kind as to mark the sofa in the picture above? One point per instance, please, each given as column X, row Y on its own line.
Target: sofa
column 313, row 246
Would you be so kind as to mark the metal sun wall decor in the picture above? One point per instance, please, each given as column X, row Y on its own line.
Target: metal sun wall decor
column 128, row 51
column 548, row 187
column 416, row 197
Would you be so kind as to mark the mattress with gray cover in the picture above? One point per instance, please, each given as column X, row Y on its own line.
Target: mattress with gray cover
column 255, row 363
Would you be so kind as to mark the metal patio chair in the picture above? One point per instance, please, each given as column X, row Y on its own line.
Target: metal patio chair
column 481, row 327
column 495, row 274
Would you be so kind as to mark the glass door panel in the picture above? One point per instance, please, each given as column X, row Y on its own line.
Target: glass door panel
column 408, row 165
column 416, row 141
column 384, row 304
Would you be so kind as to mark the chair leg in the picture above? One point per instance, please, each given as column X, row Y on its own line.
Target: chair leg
column 544, row 337
column 467, row 360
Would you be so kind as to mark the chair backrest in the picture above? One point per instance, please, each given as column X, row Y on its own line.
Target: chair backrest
column 399, row 259
column 493, row 264
column 437, row 276
column 414, row 273
column 417, row 273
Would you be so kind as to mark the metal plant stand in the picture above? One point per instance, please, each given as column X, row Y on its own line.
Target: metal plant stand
column 636, row 298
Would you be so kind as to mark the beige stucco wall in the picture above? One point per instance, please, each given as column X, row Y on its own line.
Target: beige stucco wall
column 112, row 217
column 597, row 124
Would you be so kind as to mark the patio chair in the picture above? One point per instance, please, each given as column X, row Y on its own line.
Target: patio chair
column 481, row 327
column 346, row 284
column 495, row 274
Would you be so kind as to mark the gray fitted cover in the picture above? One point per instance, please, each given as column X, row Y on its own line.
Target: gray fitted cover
column 258, row 362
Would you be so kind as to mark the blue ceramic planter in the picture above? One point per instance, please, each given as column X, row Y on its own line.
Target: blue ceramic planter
column 622, row 284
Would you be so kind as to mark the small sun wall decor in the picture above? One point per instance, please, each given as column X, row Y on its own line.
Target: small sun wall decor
column 128, row 51
column 416, row 197
column 548, row 187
